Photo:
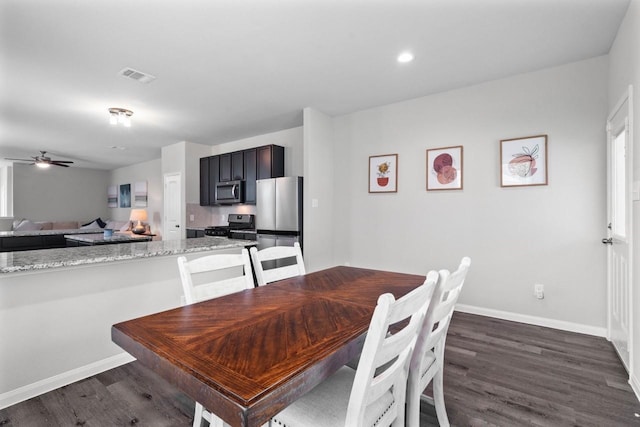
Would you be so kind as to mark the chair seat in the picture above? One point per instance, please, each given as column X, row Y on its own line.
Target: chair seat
column 334, row 392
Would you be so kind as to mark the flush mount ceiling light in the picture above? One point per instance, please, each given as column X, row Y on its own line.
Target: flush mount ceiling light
column 120, row 115
column 405, row 57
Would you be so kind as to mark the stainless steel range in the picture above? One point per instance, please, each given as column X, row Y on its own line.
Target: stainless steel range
column 241, row 226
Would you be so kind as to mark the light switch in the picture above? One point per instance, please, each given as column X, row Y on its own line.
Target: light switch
column 636, row 191
column 314, row 203
column 192, row 217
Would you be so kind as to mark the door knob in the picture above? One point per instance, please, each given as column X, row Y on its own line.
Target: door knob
column 608, row 241
column 177, row 226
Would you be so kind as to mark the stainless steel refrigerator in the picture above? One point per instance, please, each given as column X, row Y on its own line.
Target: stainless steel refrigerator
column 279, row 211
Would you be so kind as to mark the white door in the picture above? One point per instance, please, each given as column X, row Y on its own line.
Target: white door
column 619, row 239
column 172, row 195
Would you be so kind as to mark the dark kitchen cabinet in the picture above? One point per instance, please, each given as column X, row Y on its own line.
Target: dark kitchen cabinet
column 225, row 167
column 237, row 165
column 247, row 165
column 214, row 177
column 204, row 182
column 250, row 173
column 270, row 162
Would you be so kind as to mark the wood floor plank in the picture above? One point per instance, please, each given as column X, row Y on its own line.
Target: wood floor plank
column 497, row 373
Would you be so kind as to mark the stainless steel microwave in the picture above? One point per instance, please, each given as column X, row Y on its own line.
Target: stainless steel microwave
column 229, row 192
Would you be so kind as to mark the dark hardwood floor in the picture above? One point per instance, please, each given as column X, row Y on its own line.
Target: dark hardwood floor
column 497, row 373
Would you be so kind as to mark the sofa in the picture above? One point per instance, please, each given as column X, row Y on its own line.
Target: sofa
column 27, row 235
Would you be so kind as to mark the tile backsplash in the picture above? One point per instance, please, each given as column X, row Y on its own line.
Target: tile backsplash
column 205, row 216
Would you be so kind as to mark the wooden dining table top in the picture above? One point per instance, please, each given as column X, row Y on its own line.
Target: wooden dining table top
column 248, row 355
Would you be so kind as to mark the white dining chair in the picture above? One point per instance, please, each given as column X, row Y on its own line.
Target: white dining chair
column 374, row 394
column 277, row 255
column 235, row 275
column 427, row 362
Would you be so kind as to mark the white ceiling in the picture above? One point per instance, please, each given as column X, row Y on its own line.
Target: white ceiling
column 231, row 69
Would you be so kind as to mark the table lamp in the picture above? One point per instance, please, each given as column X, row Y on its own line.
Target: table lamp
column 138, row 215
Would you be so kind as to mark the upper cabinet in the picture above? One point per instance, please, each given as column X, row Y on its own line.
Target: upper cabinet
column 247, row 165
column 270, row 161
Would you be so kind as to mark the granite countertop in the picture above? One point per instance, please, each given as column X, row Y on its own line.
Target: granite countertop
column 22, row 261
column 50, row 232
column 100, row 238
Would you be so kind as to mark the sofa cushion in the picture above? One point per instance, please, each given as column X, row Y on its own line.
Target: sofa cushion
column 126, row 226
column 91, row 226
column 64, row 225
column 45, row 225
column 98, row 221
column 26, row 225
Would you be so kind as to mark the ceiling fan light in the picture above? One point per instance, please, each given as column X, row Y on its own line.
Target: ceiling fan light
column 42, row 165
column 126, row 121
column 113, row 118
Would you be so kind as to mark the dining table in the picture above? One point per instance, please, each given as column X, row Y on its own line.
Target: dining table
column 248, row 355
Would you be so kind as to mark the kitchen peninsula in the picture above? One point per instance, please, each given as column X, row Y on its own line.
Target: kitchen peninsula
column 57, row 306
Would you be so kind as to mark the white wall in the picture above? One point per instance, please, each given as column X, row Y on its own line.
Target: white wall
column 516, row 237
column 320, row 179
column 151, row 172
column 59, row 194
column 624, row 70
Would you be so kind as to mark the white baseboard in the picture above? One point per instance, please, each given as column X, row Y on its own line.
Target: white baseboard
column 534, row 320
column 43, row 386
column 634, row 382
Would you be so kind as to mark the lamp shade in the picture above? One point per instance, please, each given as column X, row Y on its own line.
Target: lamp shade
column 138, row 215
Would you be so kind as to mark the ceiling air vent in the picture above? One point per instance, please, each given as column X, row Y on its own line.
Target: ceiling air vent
column 136, row 75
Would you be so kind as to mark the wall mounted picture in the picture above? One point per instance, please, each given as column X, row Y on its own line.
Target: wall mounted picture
column 383, row 173
column 112, row 196
column 125, row 195
column 140, row 194
column 523, row 161
column 444, row 168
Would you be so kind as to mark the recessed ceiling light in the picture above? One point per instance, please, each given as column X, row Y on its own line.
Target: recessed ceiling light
column 405, row 57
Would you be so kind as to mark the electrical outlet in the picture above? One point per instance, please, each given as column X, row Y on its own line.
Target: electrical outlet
column 192, row 217
column 538, row 291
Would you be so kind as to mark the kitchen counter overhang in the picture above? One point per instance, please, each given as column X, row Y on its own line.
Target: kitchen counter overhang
column 23, row 261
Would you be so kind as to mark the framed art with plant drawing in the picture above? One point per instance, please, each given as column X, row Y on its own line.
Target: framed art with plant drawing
column 523, row 161
column 383, row 173
column 444, row 168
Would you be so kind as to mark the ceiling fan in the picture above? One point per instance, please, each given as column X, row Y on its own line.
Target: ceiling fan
column 43, row 161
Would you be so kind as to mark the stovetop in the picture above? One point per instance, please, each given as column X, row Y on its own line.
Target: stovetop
column 237, row 222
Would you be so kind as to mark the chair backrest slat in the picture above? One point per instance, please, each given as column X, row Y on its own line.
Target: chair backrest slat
column 275, row 254
column 238, row 266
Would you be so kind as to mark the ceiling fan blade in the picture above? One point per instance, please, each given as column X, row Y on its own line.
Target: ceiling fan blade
column 59, row 164
column 61, row 161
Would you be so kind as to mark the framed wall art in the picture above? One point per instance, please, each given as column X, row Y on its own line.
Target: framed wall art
column 444, row 168
column 112, row 196
column 140, row 194
column 125, row 195
column 523, row 161
column 383, row 173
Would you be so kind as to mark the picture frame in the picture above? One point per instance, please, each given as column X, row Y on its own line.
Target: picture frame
column 383, row 173
column 140, row 194
column 112, row 196
column 444, row 168
column 523, row 161
column 125, row 195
